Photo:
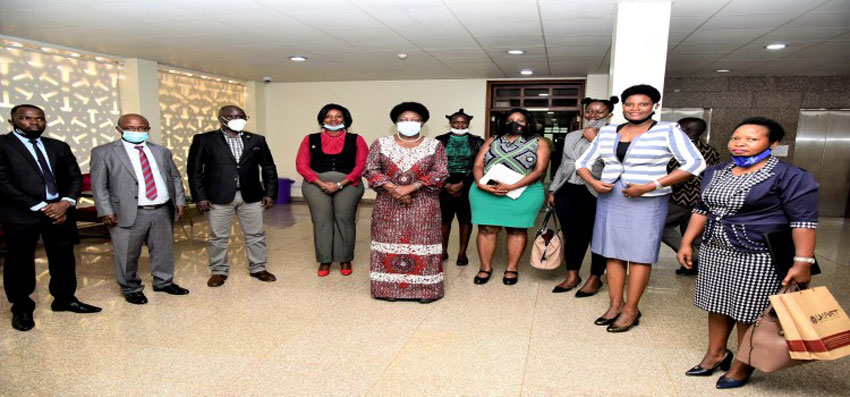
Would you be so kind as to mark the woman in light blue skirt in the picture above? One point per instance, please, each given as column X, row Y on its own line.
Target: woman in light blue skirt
column 632, row 203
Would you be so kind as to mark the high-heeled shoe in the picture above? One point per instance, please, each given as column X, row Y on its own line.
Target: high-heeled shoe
column 700, row 371
column 728, row 383
column 606, row 321
column 462, row 260
column 510, row 281
column 559, row 289
column 483, row 280
column 324, row 272
column 343, row 270
column 615, row 328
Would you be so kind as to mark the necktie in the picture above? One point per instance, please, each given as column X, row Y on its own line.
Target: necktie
column 150, row 186
column 49, row 181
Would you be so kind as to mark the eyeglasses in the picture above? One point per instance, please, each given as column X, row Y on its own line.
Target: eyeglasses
column 136, row 129
column 228, row 118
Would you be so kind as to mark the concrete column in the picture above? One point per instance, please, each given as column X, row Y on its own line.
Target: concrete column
column 255, row 106
column 139, row 90
column 596, row 86
column 639, row 47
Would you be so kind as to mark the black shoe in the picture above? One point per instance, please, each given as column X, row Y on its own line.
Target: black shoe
column 605, row 321
column 510, row 281
column 614, row 328
column 462, row 261
column 172, row 289
column 582, row 294
column 22, row 321
column 683, row 271
column 559, row 289
column 700, row 371
column 483, row 280
column 728, row 383
column 445, row 257
column 136, row 298
column 75, row 306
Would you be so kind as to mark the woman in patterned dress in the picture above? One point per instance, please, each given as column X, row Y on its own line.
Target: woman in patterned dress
column 741, row 201
column 517, row 146
column 407, row 170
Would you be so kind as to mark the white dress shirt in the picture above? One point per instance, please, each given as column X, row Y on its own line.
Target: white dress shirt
column 28, row 145
column 161, row 188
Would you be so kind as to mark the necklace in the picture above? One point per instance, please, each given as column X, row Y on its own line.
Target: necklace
column 409, row 140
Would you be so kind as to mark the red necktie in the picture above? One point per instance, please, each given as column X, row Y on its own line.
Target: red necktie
column 150, row 186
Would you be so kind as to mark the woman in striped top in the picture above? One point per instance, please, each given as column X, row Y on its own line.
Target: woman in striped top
column 632, row 202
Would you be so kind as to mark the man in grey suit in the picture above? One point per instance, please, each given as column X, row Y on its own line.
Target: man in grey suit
column 138, row 193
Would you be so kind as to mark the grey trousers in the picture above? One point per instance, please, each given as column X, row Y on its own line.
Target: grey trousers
column 334, row 218
column 153, row 228
column 250, row 217
column 675, row 226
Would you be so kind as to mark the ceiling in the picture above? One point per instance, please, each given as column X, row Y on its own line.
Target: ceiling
column 360, row 39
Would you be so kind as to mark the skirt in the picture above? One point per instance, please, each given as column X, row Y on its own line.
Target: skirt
column 629, row 229
column 491, row 210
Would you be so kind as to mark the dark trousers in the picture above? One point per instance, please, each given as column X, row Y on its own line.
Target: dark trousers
column 576, row 209
column 19, row 269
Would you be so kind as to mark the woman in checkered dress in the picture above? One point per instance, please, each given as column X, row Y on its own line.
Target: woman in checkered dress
column 741, row 201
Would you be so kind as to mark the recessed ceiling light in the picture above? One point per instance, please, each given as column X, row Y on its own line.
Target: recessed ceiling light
column 776, row 46
column 402, row 56
column 297, row 58
column 526, row 72
column 723, row 70
column 516, row 52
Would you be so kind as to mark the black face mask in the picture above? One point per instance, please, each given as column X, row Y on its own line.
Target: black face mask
column 29, row 134
column 641, row 121
column 514, row 128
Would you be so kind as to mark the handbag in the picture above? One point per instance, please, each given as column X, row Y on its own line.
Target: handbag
column 547, row 252
column 764, row 346
column 816, row 327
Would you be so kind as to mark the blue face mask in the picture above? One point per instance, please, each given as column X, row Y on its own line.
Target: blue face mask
column 135, row 136
column 333, row 127
column 741, row 161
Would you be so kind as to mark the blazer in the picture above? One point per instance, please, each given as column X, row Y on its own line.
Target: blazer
column 22, row 184
column 213, row 171
column 647, row 157
column 475, row 142
column 115, row 185
column 783, row 196
column 574, row 145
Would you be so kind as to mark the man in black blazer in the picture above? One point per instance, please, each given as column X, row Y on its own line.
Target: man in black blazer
column 224, row 179
column 40, row 183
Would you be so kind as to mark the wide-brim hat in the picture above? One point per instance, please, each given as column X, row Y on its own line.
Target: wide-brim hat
column 415, row 107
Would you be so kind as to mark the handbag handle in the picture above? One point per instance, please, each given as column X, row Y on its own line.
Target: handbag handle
column 549, row 215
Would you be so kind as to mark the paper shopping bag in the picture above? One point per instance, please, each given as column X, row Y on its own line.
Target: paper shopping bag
column 814, row 324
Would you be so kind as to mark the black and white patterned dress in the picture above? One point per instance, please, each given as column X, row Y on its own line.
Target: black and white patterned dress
column 731, row 281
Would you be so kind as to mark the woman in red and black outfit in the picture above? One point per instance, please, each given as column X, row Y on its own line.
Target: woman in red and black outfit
column 332, row 162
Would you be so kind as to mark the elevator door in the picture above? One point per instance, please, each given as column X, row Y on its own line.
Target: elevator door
column 822, row 147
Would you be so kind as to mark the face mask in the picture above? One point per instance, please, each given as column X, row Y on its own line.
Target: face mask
column 409, row 128
column 514, row 128
column 639, row 121
column 135, row 136
column 29, row 134
column 595, row 123
column 237, row 124
column 459, row 132
column 741, row 161
column 333, row 127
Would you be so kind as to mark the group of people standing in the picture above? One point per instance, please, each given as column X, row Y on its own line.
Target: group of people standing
column 611, row 192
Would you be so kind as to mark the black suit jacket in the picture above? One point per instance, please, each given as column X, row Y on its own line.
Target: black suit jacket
column 212, row 170
column 22, row 184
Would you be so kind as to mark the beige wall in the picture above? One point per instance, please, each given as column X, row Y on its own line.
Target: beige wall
column 291, row 110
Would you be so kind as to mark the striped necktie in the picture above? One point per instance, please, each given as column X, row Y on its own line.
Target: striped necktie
column 150, row 186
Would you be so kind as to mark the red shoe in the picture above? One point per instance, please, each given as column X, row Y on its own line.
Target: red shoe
column 324, row 272
column 345, row 268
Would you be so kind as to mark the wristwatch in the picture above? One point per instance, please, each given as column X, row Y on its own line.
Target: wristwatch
column 658, row 185
column 339, row 185
column 804, row 259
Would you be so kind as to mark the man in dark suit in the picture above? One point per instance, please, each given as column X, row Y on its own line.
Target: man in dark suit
column 224, row 179
column 139, row 195
column 40, row 183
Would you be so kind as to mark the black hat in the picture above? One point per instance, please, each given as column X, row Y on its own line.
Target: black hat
column 641, row 89
column 415, row 107
column 459, row 113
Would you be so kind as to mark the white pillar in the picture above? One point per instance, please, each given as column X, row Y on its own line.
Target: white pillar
column 139, row 90
column 255, row 106
column 639, row 47
column 596, row 86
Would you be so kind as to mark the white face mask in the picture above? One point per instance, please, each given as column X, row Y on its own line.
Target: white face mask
column 237, row 124
column 333, row 127
column 460, row 132
column 409, row 128
column 595, row 123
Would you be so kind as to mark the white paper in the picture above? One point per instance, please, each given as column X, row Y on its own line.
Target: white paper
column 505, row 175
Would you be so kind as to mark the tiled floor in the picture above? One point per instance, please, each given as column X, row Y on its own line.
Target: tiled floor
column 303, row 335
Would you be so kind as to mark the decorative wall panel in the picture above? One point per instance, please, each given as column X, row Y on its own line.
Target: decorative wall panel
column 80, row 97
column 189, row 105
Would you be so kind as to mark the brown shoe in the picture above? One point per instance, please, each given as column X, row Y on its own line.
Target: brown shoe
column 216, row 280
column 264, row 276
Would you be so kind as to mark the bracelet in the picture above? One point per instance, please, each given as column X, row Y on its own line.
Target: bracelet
column 804, row 259
column 658, row 185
